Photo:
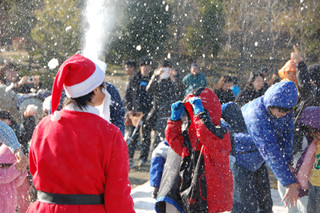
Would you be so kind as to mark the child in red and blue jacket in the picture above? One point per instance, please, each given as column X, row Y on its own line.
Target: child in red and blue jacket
column 207, row 137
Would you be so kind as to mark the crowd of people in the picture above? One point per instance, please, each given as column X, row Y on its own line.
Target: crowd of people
column 211, row 147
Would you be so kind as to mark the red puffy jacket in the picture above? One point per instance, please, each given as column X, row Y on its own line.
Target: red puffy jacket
column 215, row 150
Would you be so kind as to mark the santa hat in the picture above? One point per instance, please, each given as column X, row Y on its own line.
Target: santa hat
column 79, row 76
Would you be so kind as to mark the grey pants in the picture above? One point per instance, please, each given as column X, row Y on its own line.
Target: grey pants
column 314, row 199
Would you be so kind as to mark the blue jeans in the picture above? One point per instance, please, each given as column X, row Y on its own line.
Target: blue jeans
column 314, row 199
column 251, row 192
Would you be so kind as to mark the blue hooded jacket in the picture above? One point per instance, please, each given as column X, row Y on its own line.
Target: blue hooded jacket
column 117, row 111
column 243, row 148
column 271, row 136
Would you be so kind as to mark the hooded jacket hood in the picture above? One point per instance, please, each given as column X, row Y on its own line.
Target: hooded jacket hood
column 283, row 94
column 6, row 155
column 209, row 101
column 232, row 114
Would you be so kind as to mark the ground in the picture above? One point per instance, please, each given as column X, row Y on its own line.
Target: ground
column 139, row 175
column 144, row 203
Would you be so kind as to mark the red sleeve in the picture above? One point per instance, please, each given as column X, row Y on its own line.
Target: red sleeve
column 174, row 137
column 118, row 188
column 32, row 160
column 216, row 146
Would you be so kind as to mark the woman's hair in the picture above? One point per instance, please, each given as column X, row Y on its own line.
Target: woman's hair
column 281, row 109
column 224, row 79
column 312, row 129
column 3, row 68
column 6, row 115
column 145, row 62
column 165, row 63
column 82, row 102
column 252, row 77
column 314, row 71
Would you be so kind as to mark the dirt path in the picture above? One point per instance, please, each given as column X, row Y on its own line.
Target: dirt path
column 139, row 175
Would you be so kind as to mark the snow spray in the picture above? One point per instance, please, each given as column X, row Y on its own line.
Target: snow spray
column 99, row 18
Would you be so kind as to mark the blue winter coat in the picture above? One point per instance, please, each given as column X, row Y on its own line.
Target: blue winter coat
column 117, row 111
column 272, row 137
column 243, row 148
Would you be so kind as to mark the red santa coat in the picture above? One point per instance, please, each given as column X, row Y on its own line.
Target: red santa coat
column 80, row 154
column 215, row 151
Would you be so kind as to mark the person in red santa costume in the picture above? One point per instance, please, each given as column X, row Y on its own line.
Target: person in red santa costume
column 78, row 160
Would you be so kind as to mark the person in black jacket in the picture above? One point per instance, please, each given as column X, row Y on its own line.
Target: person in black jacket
column 308, row 79
column 253, row 89
column 137, row 99
column 223, row 89
column 165, row 87
column 130, row 67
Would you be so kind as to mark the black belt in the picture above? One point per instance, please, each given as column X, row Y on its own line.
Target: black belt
column 70, row 199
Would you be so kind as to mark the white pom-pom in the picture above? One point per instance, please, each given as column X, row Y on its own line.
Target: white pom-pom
column 56, row 116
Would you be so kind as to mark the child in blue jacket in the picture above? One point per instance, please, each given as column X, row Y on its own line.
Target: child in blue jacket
column 268, row 139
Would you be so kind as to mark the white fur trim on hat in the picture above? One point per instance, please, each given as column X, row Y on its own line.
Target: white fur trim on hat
column 55, row 116
column 86, row 86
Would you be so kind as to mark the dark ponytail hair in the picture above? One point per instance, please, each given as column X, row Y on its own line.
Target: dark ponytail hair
column 82, row 102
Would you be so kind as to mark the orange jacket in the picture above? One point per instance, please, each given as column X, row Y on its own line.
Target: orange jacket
column 290, row 66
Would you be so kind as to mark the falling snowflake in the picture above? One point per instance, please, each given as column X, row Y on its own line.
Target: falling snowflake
column 68, row 28
column 138, row 47
column 53, row 63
